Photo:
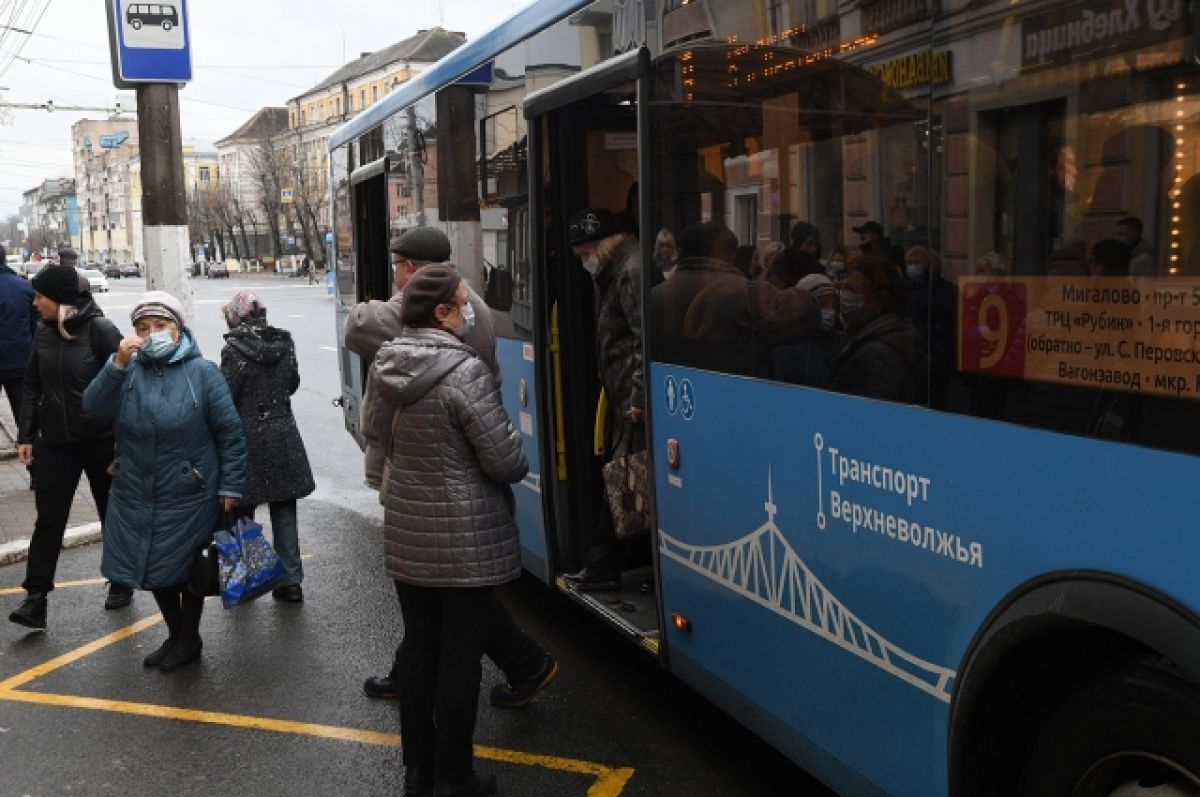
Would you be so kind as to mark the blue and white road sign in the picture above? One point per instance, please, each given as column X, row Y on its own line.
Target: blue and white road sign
column 151, row 41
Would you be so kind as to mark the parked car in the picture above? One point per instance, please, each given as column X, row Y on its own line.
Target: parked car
column 96, row 280
column 32, row 267
column 130, row 269
column 112, row 271
column 217, row 270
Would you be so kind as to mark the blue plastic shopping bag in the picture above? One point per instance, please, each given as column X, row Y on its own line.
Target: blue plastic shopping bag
column 248, row 566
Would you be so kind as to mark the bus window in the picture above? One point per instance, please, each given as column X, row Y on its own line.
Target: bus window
column 1075, row 273
column 784, row 165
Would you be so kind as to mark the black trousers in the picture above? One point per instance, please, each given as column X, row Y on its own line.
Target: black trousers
column 58, row 470
column 444, row 631
column 509, row 648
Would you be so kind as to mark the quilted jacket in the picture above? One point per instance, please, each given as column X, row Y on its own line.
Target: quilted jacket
column 179, row 446
column 446, row 520
column 371, row 324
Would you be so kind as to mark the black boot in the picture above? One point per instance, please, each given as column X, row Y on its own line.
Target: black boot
column 119, row 596
column 418, row 782
column 156, row 658
column 32, row 612
column 181, row 653
column 474, row 786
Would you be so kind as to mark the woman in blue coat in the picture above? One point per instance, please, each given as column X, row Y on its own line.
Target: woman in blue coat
column 181, row 459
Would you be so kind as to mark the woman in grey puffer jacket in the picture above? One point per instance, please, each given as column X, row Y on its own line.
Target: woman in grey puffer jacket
column 449, row 533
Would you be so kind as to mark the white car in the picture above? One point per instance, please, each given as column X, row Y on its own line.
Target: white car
column 97, row 282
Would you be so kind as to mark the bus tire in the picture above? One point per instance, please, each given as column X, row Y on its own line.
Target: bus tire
column 1116, row 730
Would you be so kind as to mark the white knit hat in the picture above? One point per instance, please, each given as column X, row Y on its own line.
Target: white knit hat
column 159, row 304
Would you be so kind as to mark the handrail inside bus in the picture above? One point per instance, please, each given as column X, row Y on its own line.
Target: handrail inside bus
column 532, row 19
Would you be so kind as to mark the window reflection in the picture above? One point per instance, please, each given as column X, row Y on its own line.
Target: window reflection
column 762, row 165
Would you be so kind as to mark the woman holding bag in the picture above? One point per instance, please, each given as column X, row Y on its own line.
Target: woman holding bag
column 259, row 364
column 449, row 535
column 181, row 459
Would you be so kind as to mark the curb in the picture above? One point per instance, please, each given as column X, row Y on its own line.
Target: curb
column 85, row 534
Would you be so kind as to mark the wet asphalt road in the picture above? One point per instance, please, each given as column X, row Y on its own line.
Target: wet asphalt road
column 275, row 705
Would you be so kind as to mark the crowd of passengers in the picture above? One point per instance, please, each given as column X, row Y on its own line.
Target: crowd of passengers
column 877, row 320
column 856, row 322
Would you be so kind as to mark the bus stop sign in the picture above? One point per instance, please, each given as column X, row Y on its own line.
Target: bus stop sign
column 150, row 42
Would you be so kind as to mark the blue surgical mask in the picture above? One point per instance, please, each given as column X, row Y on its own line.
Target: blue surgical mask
column 835, row 269
column 591, row 265
column 828, row 319
column 468, row 314
column 159, row 345
column 916, row 273
column 852, row 304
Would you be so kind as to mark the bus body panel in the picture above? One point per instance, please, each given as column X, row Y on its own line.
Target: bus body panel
column 868, row 626
column 519, row 393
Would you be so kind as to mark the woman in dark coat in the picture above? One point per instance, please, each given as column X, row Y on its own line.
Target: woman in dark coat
column 884, row 356
column 259, row 363
column 70, row 347
column 181, row 461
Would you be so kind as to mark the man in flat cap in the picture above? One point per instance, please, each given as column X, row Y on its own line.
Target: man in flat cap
column 368, row 326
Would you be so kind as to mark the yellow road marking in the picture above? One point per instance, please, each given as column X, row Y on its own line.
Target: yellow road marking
column 75, row 655
column 610, row 781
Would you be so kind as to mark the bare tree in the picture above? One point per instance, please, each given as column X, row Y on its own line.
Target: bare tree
column 39, row 239
column 310, row 201
column 268, row 172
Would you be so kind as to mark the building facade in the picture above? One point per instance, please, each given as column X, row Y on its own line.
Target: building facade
column 50, row 215
column 102, row 152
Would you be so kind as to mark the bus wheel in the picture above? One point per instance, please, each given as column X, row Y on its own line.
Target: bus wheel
column 166, row 25
column 136, row 24
column 1127, row 732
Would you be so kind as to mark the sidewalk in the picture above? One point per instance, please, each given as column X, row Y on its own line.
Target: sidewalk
column 17, row 510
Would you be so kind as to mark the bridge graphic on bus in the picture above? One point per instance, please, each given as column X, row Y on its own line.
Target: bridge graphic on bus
column 763, row 567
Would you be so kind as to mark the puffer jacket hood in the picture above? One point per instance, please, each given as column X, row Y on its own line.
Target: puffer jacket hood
column 261, row 344
column 430, row 355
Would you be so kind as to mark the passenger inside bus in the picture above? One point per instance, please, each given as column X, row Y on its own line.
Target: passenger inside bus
column 810, row 361
column 666, row 257
column 611, row 255
column 933, row 308
column 884, row 356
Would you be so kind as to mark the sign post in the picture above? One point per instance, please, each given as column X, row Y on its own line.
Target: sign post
column 151, row 52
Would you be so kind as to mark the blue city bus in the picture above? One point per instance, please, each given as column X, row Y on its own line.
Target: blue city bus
column 945, row 547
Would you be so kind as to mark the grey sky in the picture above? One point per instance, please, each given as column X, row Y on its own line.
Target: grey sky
column 245, row 54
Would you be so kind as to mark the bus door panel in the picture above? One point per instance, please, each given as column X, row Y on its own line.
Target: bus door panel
column 586, row 156
column 520, row 396
column 508, row 293
column 587, row 145
column 367, row 217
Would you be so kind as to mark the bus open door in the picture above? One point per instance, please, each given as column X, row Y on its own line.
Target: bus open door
column 584, row 135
